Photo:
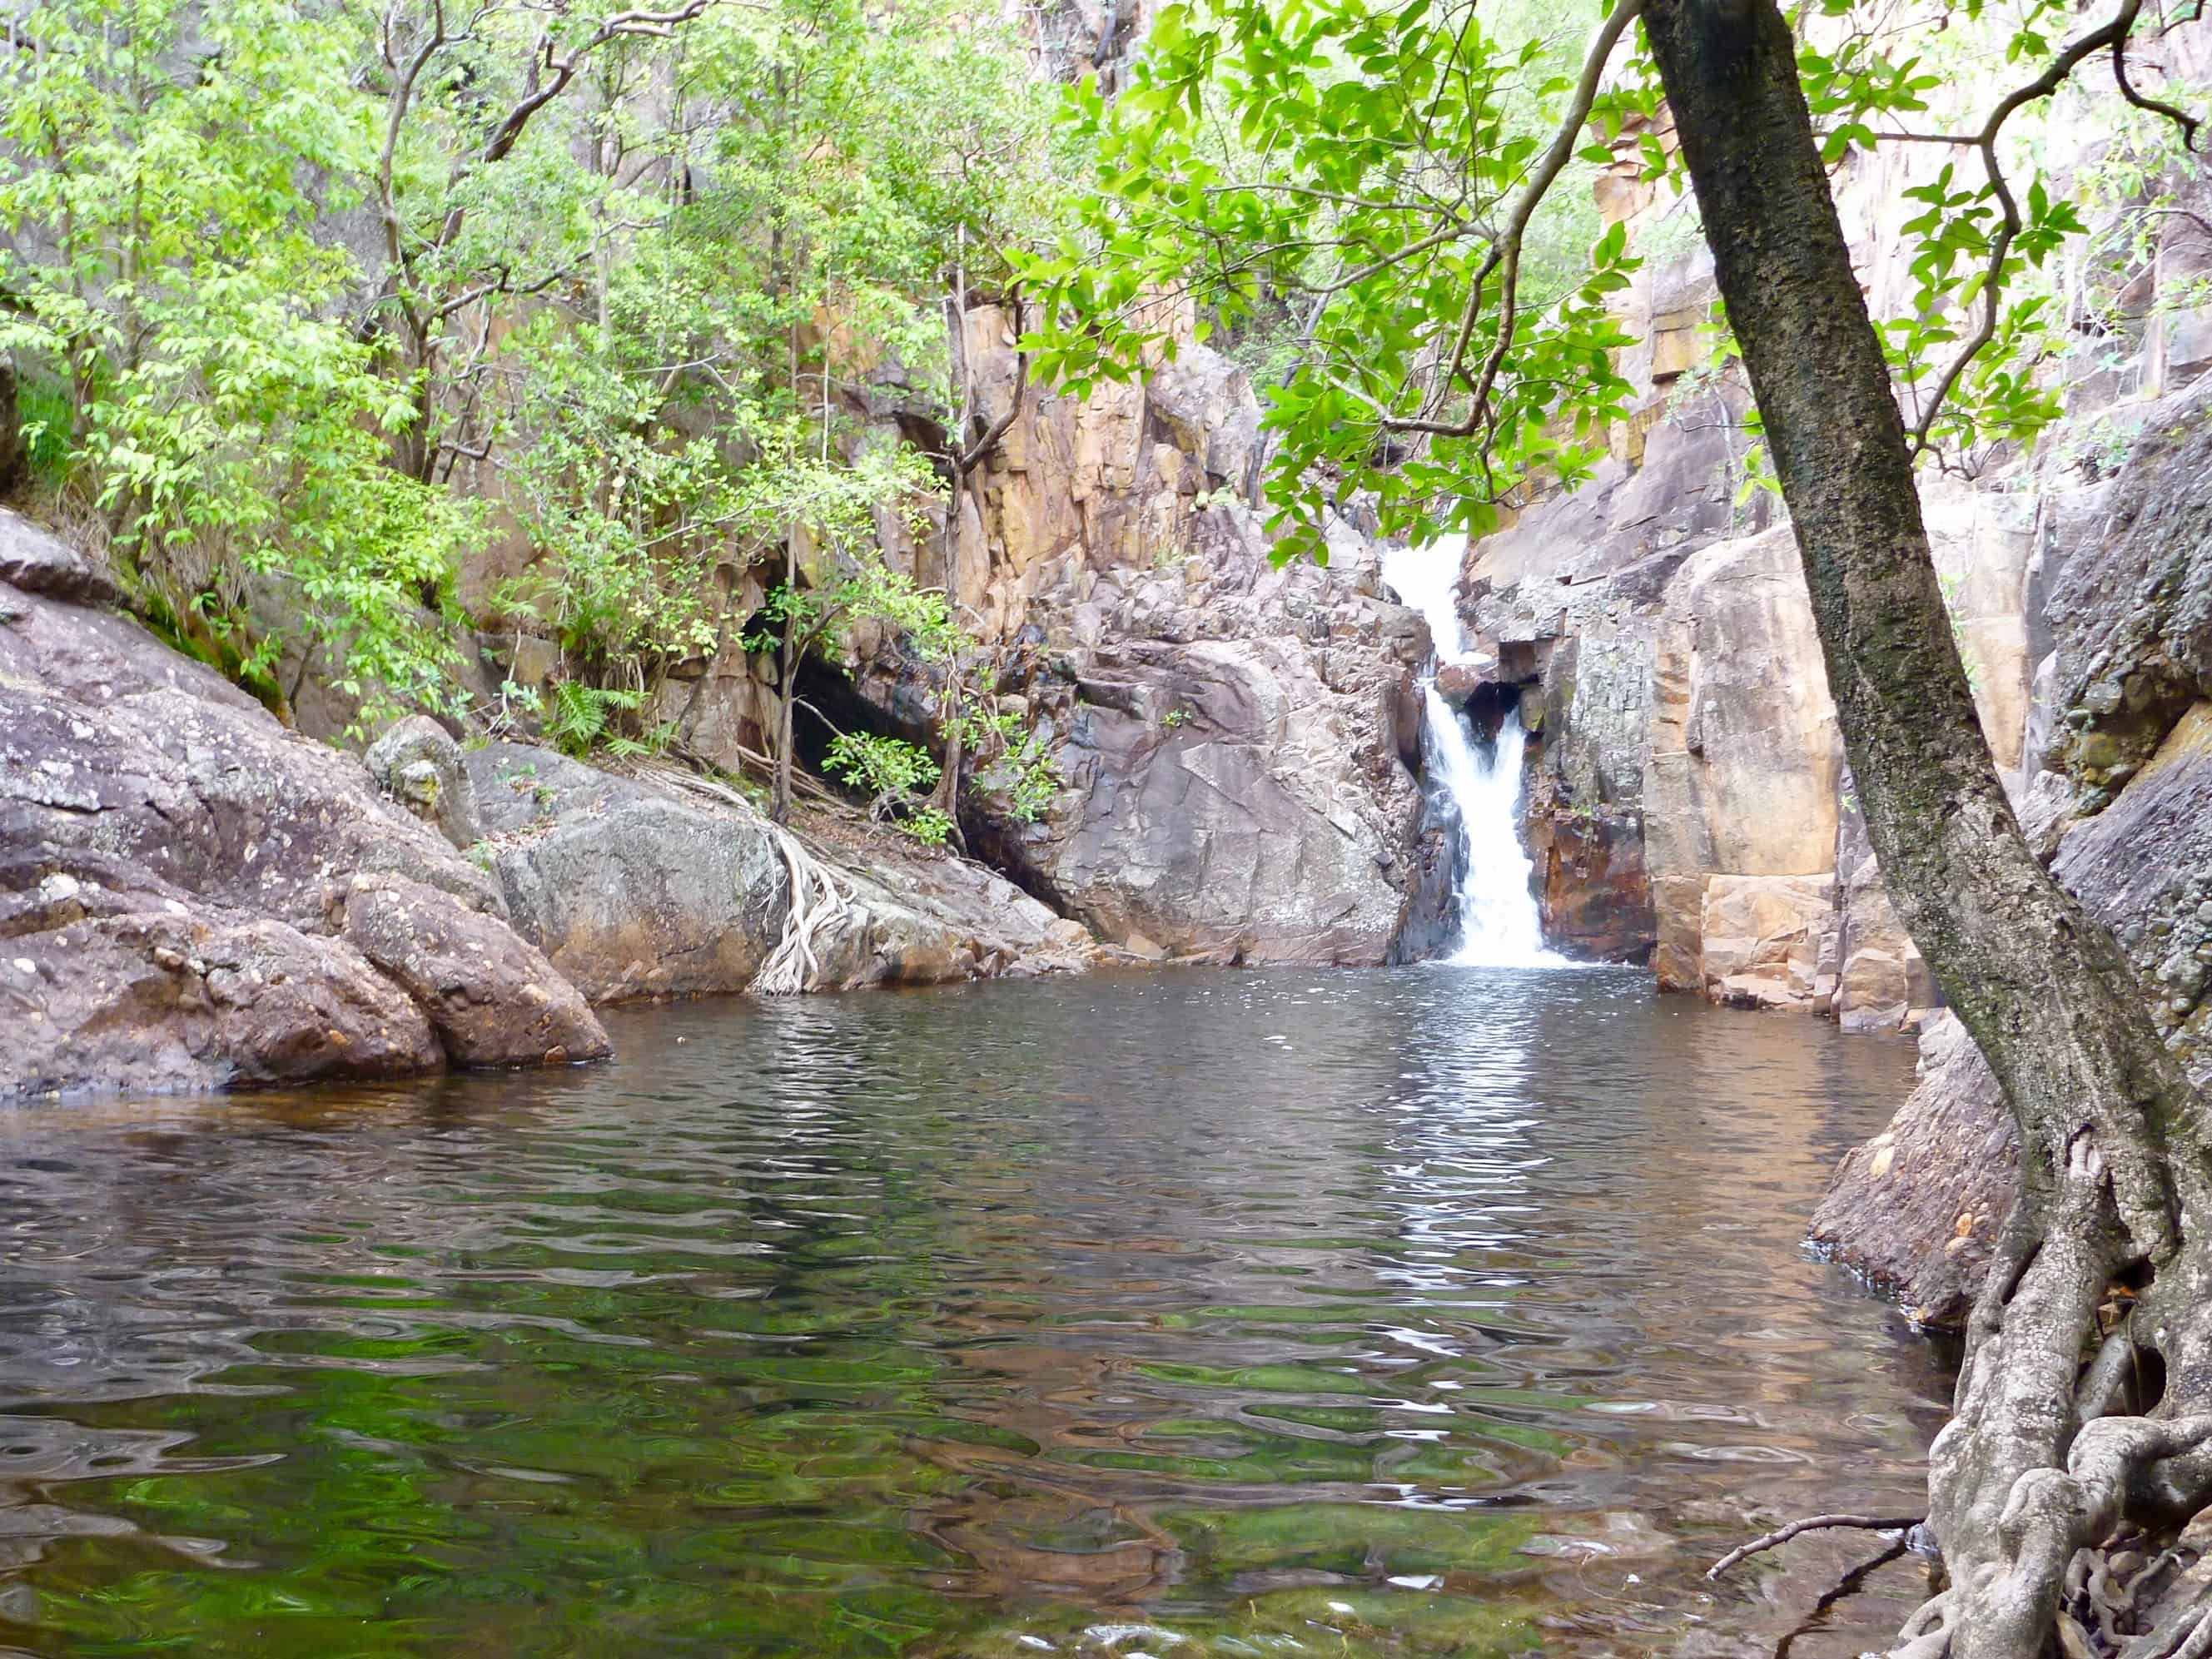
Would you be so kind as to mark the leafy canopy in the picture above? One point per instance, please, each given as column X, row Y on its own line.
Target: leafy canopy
column 1395, row 176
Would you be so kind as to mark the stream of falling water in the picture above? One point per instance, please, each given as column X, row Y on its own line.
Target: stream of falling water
column 1499, row 926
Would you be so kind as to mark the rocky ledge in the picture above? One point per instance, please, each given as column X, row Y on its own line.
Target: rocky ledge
column 193, row 898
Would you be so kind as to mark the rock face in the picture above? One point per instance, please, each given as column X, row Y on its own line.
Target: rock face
column 181, row 874
column 634, row 890
column 2131, row 789
column 1237, row 743
column 1915, row 1210
column 1230, row 739
column 1739, row 781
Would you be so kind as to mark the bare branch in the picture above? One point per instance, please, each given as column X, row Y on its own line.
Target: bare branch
column 1504, row 255
column 964, row 464
column 2189, row 124
column 1782, row 1535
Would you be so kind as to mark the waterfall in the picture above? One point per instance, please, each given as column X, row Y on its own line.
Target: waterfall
column 1499, row 926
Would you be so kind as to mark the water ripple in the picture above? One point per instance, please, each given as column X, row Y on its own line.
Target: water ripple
column 1430, row 1312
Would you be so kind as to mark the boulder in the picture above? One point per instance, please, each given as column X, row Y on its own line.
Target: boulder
column 634, row 890
column 649, row 898
column 1880, row 980
column 1745, row 758
column 417, row 763
column 153, row 996
column 174, row 867
column 490, row 997
column 1215, row 808
column 33, row 561
column 1917, row 1209
column 1759, row 937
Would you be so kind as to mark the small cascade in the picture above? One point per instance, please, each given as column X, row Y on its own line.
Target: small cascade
column 1499, row 926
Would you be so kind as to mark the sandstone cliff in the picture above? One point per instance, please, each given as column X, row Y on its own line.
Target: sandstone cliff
column 1690, row 792
column 1237, row 745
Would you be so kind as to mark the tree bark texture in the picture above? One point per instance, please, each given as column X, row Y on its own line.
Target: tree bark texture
column 2113, row 1147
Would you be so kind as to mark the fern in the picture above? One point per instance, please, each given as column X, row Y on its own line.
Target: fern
column 582, row 717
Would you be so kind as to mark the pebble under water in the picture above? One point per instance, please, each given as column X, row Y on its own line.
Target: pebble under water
column 1428, row 1311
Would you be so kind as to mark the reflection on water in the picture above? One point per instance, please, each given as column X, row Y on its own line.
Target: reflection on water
column 1419, row 1312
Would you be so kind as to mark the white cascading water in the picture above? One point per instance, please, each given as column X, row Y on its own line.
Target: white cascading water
column 1499, row 923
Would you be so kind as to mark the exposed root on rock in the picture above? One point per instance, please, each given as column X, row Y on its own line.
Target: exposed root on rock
column 816, row 903
column 819, row 901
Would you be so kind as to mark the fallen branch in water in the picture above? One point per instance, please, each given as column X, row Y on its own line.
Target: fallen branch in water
column 1811, row 1523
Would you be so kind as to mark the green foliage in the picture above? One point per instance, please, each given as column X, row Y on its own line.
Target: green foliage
column 621, row 273
column 898, row 777
column 580, row 716
column 45, row 415
column 1373, row 139
column 1363, row 192
column 1954, row 606
column 221, row 416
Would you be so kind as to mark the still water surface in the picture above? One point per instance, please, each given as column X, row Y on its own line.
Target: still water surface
column 1429, row 1311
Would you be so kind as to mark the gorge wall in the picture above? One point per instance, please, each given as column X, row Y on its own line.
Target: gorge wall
column 1237, row 743
column 1690, row 798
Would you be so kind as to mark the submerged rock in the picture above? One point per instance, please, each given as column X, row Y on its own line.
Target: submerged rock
column 174, row 878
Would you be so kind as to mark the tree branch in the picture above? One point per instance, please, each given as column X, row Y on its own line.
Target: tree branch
column 1504, row 255
column 1811, row 1523
column 2113, row 34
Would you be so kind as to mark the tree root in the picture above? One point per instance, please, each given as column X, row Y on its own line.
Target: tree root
column 818, row 902
column 1811, row 1523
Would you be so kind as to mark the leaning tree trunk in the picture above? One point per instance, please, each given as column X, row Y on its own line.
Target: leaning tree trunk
column 2114, row 1180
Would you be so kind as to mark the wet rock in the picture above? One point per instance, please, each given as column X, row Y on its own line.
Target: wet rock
column 144, row 995
column 1917, row 1209
column 1458, row 681
column 493, row 1000
column 1592, row 887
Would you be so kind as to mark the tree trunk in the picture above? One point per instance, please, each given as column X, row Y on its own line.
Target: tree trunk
column 787, row 687
column 2112, row 1147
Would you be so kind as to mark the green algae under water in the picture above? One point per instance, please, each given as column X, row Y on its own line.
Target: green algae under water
column 1418, row 1312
